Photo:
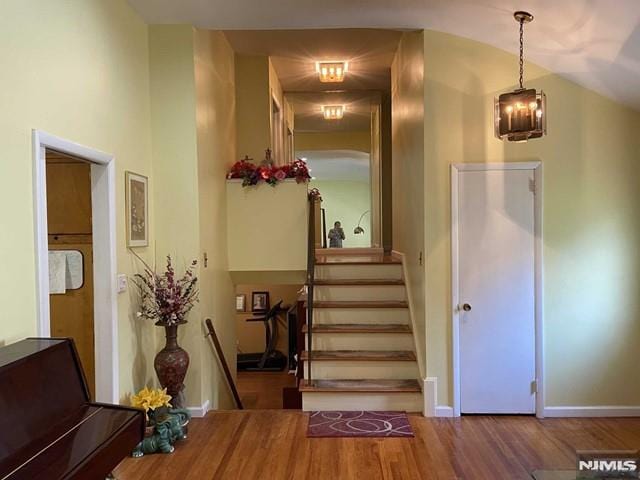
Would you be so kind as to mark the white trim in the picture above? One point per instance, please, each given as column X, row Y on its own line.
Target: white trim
column 407, row 284
column 444, row 411
column 103, row 198
column 201, row 411
column 538, row 281
column 430, row 396
column 597, row 411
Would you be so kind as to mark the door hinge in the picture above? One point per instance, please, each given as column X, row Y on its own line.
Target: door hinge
column 532, row 185
column 534, row 386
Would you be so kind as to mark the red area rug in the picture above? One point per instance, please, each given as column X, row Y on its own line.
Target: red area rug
column 359, row 424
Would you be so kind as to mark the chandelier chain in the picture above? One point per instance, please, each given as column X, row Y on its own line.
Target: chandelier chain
column 521, row 53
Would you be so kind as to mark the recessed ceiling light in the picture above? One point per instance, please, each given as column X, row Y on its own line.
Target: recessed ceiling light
column 333, row 112
column 332, row 72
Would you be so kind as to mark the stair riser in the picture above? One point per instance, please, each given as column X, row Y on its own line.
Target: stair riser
column 332, row 316
column 360, row 293
column 361, row 341
column 349, row 401
column 357, row 370
column 359, row 272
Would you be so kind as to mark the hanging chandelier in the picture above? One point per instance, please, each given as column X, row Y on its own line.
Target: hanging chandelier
column 521, row 114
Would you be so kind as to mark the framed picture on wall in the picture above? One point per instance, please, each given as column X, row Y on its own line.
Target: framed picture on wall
column 259, row 302
column 241, row 302
column 136, row 196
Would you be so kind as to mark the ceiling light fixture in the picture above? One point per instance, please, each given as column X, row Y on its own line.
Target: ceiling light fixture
column 332, row 72
column 521, row 114
column 333, row 112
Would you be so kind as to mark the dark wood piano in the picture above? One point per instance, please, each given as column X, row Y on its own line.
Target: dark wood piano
column 49, row 429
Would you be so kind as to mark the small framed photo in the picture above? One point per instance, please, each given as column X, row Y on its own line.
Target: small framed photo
column 136, row 196
column 241, row 302
column 259, row 302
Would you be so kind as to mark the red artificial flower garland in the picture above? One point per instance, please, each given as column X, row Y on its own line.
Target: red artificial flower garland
column 252, row 174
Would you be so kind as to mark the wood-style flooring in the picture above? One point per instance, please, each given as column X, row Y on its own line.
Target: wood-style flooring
column 263, row 390
column 272, row 444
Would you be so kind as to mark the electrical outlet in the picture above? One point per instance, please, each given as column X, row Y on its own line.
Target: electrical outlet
column 122, row 283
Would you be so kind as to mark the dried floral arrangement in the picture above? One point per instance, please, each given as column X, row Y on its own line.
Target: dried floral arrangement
column 164, row 298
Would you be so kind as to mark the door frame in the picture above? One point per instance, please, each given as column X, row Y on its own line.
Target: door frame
column 103, row 200
column 456, row 168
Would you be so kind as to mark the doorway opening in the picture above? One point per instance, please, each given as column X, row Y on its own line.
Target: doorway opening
column 78, row 260
column 267, row 332
column 70, row 242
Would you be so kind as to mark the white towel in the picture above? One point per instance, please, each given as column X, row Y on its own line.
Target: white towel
column 57, row 273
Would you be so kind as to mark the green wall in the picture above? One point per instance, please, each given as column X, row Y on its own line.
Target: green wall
column 345, row 201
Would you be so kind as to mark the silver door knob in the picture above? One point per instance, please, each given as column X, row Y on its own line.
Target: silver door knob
column 466, row 307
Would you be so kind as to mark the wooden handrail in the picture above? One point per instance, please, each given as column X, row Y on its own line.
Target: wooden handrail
column 223, row 361
column 314, row 195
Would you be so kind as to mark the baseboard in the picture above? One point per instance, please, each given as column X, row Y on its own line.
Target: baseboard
column 595, row 411
column 430, row 396
column 444, row 411
column 201, row 411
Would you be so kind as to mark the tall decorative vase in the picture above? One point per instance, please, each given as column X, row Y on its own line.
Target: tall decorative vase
column 171, row 364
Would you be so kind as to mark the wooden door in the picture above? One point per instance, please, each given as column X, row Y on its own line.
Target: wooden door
column 70, row 229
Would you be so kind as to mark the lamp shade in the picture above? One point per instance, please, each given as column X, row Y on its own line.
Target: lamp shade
column 520, row 115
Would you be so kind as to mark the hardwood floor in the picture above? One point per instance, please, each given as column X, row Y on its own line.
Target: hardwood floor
column 263, row 390
column 272, row 444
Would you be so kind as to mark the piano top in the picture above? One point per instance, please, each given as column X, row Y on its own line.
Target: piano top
column 21, row 350
column 49, row 429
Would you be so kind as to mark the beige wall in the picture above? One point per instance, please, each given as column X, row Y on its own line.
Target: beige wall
column 253, row 107
column 407, row 96
column 78, row 70
column 216, row 129
column 192, row 82
column 360, row 141
column 251, row 334
column 175, row 169
column 591, row 165
column 267, row 232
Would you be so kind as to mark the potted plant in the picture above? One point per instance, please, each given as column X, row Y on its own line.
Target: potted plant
column 167, row 300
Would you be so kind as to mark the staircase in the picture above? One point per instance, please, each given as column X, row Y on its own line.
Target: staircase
column 363, row 355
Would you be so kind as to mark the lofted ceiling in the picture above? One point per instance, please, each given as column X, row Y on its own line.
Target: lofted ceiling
column 595, row 43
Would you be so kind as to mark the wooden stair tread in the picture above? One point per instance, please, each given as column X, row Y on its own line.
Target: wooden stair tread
column 360, row 304
column 355, row 259
column 359, row 328
column 359, row 282
column 351, row 261
column 372, row 386
column 361, row 355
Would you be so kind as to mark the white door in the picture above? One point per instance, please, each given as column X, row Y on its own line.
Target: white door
column 496, row 291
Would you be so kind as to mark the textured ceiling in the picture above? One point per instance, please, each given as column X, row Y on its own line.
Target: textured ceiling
column 595, row 43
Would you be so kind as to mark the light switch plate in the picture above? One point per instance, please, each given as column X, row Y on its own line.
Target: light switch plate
column 122, row 283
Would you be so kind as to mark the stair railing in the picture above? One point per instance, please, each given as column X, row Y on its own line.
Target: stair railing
column 314, row 196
